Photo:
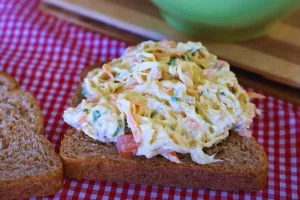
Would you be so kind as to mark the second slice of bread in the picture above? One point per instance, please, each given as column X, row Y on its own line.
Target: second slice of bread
column 29, row 165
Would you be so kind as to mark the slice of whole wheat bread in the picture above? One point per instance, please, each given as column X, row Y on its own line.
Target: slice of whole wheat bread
column 244, row 166
column 29, row 165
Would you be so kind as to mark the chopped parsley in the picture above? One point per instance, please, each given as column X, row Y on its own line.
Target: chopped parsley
column 222, row 93
column 219, row 69
column 96, row 115
column 171, row 62
column 83, row 92
column 120, row 125
column 173, row 98
column 237, row 127
column 85, row 110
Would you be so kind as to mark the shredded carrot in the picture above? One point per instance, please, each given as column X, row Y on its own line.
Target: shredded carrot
column 166, row 89
column 106, row 69
column 245, row 133
column 191, row 91
column 187, row 72
column 138, row 102
column 156, row 74
column 209, row 72
column 169, row 91
column 134, row 83
column 182, row 114
column 193, row 123
column 114, row 96
column 137, row 134
column 130, row 49
column 172, row 156
column 221, row 63
column 131, row 84
column 170, row 43
column 254, row 95
column 82, row 119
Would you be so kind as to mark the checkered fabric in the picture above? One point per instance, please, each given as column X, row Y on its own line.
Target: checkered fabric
column 46, row 56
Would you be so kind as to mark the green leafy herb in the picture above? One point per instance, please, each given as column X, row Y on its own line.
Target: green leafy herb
column 96, row 115
column 85, row 110
column 171, row 62
column 83, row 92
column 237, row 127
column 173, row 98
column 219, row 69
column 154, row 113
column 120, row 124
column 222, row 93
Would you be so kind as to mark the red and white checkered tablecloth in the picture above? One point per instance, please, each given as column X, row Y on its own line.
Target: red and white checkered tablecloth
column 46, row 56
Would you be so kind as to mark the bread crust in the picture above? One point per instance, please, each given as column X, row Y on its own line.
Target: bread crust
column 8, row 81
column 157, row 170
column 110, row 166
column 13, row 88
column 27, row 186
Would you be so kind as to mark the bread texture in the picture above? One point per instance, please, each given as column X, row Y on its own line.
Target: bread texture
column 244, row 166
column 29, row 165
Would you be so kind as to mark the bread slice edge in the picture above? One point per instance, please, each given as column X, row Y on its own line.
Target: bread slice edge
column 25, row 187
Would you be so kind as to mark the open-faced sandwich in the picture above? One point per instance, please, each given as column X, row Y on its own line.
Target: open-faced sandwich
column 164, row 113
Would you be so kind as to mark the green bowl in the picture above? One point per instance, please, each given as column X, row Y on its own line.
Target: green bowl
column 225, row 20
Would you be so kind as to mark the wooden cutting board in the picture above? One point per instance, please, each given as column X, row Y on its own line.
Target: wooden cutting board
column 276, row 56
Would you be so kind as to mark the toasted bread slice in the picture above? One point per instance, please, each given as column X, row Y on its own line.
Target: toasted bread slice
column 244, row 166
column 29, row 165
